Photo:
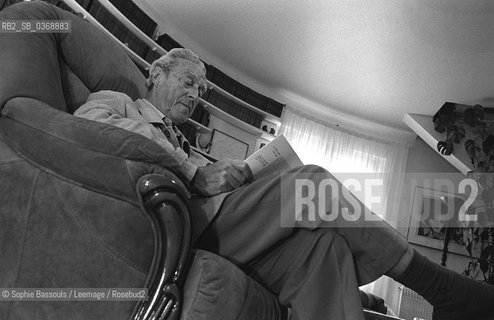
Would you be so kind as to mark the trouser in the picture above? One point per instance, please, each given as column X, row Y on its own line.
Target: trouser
column 315, row 267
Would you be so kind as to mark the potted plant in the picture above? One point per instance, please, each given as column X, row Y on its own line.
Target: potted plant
column 477, row 124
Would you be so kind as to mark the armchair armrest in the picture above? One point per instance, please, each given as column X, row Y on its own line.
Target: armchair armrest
column 166, row 202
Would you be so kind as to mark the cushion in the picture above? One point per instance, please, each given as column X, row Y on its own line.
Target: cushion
column 32, row 60
column 217, row 289
column 81, row 150
column 70, row 215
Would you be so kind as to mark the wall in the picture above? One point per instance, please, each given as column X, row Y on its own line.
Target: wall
column 424, row 167
column 425, row 163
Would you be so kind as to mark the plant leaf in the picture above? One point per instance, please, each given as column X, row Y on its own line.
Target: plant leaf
column 473, row 150
column 474, row 116
column 455, row 133
column 486, row 252
column 444, row 118
column 488, row 144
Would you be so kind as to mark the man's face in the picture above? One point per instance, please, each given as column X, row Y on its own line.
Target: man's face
column 178, row 92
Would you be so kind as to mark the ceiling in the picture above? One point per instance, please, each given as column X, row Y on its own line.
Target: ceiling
column 369, row 60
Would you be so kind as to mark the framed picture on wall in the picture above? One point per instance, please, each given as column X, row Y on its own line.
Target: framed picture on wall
column 432, row 213
column 226, row 146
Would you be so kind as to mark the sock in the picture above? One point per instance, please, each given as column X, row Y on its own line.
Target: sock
column 452, row 295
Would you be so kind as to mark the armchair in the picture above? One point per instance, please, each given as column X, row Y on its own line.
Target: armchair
column 87, row 205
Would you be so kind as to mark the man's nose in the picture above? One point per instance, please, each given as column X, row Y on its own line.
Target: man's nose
column 193, row 93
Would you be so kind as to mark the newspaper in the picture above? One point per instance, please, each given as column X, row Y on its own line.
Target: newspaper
column 275, row 157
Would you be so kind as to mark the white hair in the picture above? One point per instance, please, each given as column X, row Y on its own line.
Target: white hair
column 172, row 59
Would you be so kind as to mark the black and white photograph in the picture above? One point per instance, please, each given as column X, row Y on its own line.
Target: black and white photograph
column 254, row 160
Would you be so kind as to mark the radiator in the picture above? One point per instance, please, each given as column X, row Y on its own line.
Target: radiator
column 413, row 306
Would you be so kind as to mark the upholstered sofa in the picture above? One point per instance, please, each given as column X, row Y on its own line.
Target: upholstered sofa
column 87, row 205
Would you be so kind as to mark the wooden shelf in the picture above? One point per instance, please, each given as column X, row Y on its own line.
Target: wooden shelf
column 131, row 27
column 72, row 4
column 230, row 119
column 199, row 126
column 155, row 47
column 423, row 126
column 265, row 115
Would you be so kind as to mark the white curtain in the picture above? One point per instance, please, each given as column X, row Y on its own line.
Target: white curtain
column 346, row 153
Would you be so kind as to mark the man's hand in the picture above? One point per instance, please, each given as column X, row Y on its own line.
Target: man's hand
column 221, row 176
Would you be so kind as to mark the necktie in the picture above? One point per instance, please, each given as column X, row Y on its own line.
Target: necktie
column 174, row 136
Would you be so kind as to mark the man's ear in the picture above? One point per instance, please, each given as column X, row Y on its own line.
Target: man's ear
column 155, row 74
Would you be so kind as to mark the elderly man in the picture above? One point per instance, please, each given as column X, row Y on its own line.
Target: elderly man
column 314, row 266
